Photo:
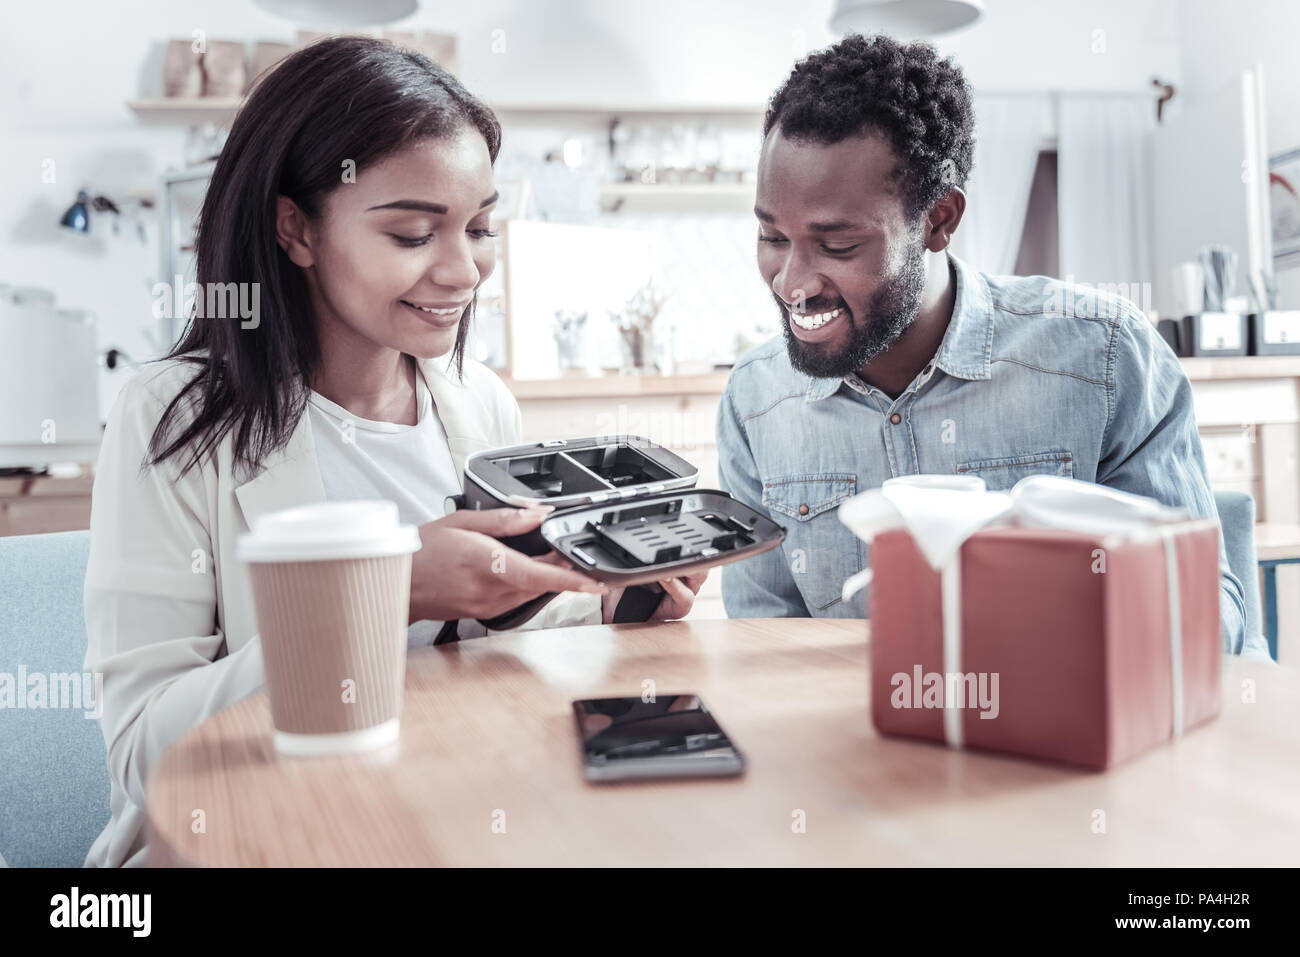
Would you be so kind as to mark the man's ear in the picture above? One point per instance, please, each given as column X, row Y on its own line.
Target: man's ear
column 943, row 219
column 291, row 232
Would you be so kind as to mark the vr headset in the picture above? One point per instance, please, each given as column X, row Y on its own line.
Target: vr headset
column 626, row 513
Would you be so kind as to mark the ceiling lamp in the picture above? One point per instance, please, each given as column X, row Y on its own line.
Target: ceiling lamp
column 339, row 13
column 904, row 18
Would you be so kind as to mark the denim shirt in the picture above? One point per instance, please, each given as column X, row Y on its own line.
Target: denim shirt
column 1034, row 376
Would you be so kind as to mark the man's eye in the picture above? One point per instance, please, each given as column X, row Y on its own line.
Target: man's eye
column 411, row 240
column 770, row 239
column 840, row 250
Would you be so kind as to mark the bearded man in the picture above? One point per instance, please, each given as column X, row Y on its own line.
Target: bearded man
column 898, row 359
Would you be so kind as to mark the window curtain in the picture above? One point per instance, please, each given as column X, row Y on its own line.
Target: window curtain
column 1104, row 188
column 1009, row 133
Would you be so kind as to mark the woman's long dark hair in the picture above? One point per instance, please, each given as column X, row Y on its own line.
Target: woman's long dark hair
column 339, row 99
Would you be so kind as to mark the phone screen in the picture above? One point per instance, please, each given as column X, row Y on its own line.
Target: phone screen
column 667, row 736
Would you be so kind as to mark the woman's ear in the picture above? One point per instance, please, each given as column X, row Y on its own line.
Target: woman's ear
column 291, row 232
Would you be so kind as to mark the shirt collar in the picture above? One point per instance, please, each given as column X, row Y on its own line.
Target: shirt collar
column 967, row 347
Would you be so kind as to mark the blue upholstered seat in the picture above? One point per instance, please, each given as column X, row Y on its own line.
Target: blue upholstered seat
column 53, row 765
column 1237, row 516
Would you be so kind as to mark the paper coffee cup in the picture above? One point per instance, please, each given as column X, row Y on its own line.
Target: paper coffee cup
column 332, row 587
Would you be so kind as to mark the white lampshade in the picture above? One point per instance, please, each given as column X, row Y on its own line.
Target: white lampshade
column 339, row 13
column 904, row 18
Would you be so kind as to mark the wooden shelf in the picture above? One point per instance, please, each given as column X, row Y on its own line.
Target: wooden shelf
column 617, row 386
column 177, row 109
column 659, row 191
column 620, row 386
column 186, row 110
column 14, row 455
column 746, row 110
column 1241, row 367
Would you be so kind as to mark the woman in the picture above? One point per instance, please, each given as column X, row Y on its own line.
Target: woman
column 353, row 196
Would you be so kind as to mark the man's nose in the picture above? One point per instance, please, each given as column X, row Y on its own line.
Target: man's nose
column 795, row 283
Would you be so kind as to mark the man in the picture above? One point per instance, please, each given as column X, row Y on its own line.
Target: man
column 900, row 359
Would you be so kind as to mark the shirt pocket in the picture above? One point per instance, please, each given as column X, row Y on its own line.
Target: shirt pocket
column 820, row 549
column 1001, row 474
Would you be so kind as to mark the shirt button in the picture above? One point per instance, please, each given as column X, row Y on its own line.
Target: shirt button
column 803, row 509
column 895, row 418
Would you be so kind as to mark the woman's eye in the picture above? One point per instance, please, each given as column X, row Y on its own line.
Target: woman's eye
column 411, row 240
column 483, row 233
column 770, row 239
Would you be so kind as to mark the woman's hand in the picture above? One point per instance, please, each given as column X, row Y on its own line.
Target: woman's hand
column 462, row 571
column 679, row 598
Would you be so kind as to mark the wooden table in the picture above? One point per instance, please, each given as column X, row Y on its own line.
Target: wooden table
column 487, row 771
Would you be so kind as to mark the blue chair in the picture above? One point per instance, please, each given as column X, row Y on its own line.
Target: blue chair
column 54, row 787
column 1237, row 517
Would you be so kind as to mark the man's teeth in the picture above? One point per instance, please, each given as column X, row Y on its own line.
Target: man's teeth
column 454, row 311
column 816, row 320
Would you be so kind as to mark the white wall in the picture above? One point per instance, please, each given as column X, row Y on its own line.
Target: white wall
column 67, row 69
column 1219, row 40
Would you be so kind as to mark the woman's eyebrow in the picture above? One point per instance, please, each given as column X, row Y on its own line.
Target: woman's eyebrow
column 420, row 206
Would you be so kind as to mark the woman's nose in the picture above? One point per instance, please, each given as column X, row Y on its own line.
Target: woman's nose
column 454, row 267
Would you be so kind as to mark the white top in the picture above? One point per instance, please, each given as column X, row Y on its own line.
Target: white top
column 174, row 632
column 409, row 465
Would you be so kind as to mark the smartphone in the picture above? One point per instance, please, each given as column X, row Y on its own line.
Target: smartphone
column 668, row 736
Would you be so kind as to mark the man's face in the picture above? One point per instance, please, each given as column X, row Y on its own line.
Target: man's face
column 844, row 263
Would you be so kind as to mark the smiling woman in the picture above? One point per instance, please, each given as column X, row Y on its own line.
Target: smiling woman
column 392, row 262
column 353, row 194
column 344, row 125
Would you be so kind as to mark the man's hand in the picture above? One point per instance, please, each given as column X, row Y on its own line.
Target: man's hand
column 678, row 600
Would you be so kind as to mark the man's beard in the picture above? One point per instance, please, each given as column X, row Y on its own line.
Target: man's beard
column 890, row 312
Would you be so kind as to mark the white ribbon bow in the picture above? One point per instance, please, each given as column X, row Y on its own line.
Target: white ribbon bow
column 940, row 519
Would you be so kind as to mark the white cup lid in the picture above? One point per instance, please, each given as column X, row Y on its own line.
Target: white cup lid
column 331, row 530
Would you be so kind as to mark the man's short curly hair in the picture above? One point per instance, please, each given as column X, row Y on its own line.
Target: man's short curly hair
column 920, row 103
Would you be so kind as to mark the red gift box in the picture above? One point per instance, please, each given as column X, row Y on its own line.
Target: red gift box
column 1082, row 648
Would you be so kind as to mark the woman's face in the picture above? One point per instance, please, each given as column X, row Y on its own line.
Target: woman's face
column 395, row 257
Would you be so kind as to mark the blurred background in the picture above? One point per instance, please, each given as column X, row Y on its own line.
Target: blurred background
column 1145, row 147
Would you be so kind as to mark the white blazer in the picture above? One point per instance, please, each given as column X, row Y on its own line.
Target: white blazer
column 169, row 610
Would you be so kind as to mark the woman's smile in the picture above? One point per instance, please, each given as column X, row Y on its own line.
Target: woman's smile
column 443, row 317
